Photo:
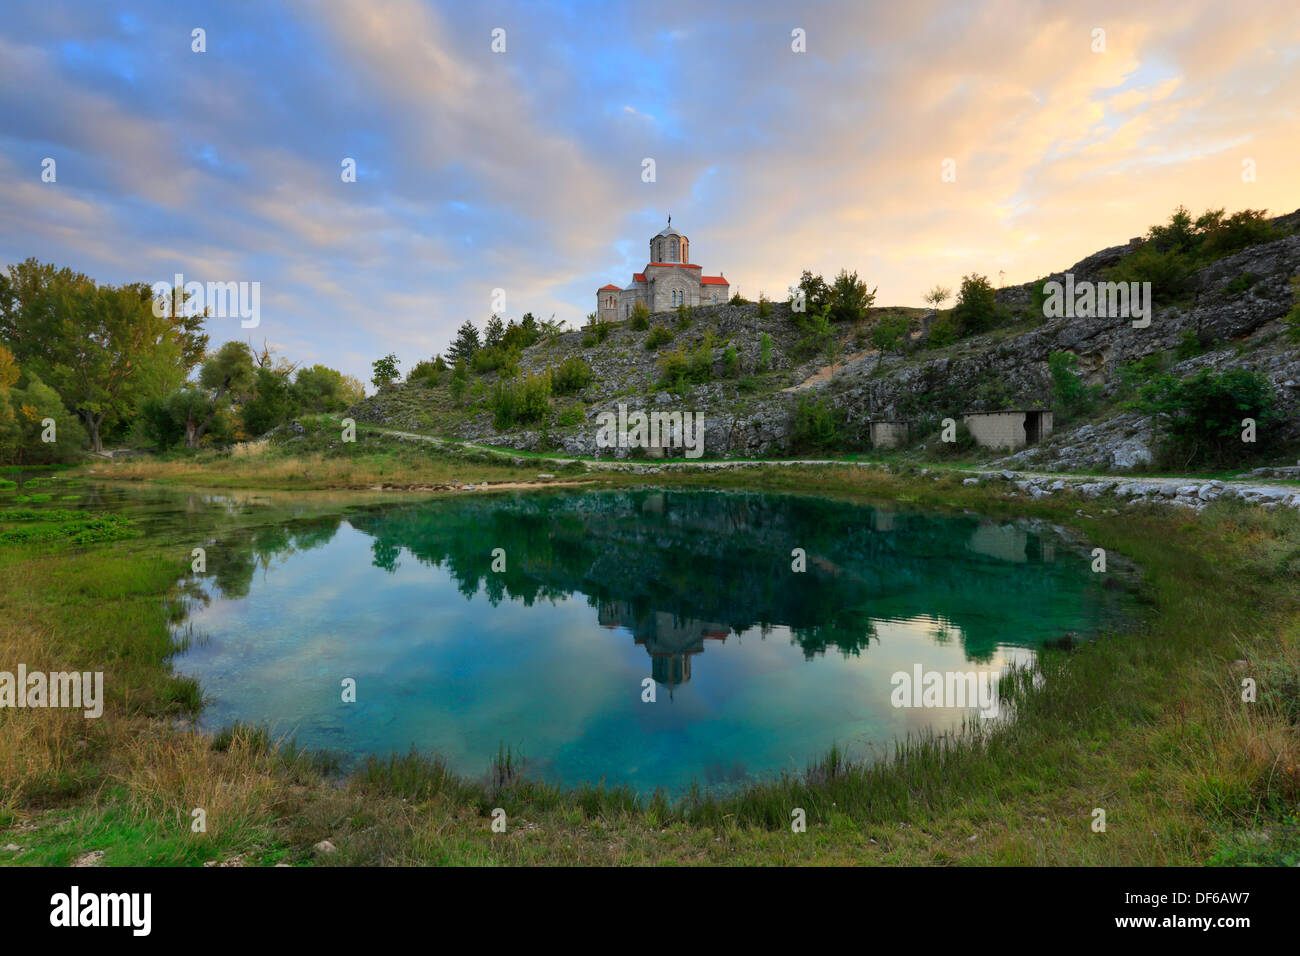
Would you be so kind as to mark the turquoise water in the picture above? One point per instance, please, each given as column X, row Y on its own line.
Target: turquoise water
column 755, row 669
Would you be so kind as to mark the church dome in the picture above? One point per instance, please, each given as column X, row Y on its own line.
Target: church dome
column 669, row 245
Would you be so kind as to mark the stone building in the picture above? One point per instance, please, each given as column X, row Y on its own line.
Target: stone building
column 1009, row 429
column 668, row 280
column 889, row 434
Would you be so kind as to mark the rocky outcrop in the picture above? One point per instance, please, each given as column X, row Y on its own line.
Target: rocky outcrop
column 1234, row 307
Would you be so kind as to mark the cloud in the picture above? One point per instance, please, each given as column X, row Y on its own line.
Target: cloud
column 522, row 170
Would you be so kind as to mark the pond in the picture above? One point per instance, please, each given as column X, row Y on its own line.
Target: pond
column 653, row 638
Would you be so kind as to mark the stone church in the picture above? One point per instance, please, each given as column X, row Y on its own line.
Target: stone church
column 668, row 280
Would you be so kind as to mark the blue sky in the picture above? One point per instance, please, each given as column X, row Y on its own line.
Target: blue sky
column 522, row 170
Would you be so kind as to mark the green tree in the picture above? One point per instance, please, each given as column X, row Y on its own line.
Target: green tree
column 937, row 296
column 465, row 344
column 849, row 298
column 318, row 389
column 493, row 332
column 1200, row 420
column 225, row 377
column 977, row 309
column 888, row 334
column 385, row 371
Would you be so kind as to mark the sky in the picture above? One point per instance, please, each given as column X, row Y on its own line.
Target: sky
column 523, row 170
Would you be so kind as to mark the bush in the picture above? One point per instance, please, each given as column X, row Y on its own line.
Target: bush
column 520, row 402
column 640, row 317
column 573, row 415
column 685, row 315
column 1199, row 419
column 1068, row 391
column 658, row 336
column 1292, row 320
column 816, row 335
column 764, row 306
column 943, row 332
column 977, row 309
column 849, row 298
column 571, row 375
column 1167, row 271
column 764, row 352
column 681, row 367
column 816, row 426
column 1189, row 346
column 731, row 362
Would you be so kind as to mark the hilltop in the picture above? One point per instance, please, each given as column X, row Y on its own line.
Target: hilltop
column 769, row 385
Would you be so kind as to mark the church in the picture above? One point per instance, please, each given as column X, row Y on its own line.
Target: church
column 668, row 280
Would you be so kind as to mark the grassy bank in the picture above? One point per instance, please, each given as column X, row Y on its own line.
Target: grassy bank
column 1147, row 726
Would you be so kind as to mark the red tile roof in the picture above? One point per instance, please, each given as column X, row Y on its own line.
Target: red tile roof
column 610, row 286
column 680, row 265
column 638, row 277
column 713, row 280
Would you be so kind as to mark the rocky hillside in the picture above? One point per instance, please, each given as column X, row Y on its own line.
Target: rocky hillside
column 1233, row 307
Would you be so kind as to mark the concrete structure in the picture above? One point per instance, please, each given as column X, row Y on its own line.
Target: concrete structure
column 1009, row 429
column 889, row 434
column 668, row 280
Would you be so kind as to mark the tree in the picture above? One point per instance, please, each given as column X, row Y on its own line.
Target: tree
column 321, row 389
column 385, row 371
column 937, row 296
column 465, row 344
column 888, row 334
column 816, row 293
column 33, row 407
column 226, row 376
column 271, row 402
column 849, row 298
column 1200, row 418
column 493, row 331
column 977, row 308
column 103, row 337
column 102, row 348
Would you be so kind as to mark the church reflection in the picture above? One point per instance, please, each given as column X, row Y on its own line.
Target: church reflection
column 669, row 639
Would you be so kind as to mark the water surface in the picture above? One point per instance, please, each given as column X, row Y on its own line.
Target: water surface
column 755, row 669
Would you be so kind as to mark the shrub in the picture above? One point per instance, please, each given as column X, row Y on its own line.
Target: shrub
column 1068, row 391
column 764, row 306
column 764, row 352
column 658, row 336
column 1199, row 419
column 1292, row 320
column 640, row 317
column 816, row 333
column 976, row 310
column 849, row 298
column 738, row 299
column 815, row 425
column 1189, row 346
column 731, row 362
column 943, row 332
column 520, row 402
column 681, row 367
column 1167, row 270
column 685, row 315
column 571, row 375
column 1240, row 284
column 573, row 415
